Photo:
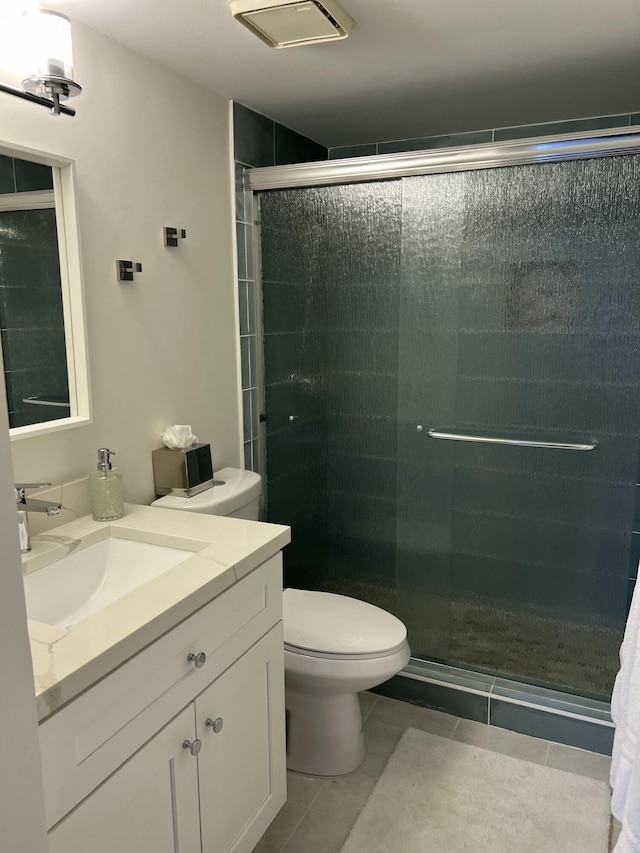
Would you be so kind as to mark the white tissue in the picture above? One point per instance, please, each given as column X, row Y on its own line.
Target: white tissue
column 178, row 436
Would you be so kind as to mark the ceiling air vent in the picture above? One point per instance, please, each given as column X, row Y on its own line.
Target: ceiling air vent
column 283, row 23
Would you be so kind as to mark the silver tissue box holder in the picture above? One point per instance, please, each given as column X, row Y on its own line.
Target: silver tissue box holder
column 182, row 472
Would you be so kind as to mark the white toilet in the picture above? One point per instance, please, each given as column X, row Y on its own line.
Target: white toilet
column 335, row 647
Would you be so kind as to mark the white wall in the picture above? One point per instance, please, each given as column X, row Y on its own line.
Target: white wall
column 151, row 149
column 21, row 801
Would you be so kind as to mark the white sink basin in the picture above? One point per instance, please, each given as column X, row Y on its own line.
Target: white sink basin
column 82, row 583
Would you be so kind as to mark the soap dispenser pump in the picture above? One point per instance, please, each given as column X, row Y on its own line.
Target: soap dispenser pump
column 107, row 502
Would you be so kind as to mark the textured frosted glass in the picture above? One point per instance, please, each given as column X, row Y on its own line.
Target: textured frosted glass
column 519, row 318
column 501, row 302
column 330, row 267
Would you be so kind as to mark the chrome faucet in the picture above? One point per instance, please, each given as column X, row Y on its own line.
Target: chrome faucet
column 26, row 505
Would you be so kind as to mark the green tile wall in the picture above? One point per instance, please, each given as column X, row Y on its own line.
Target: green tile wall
column 425, row 143
column 31, row 316
column 18, row 176
column 258, row 141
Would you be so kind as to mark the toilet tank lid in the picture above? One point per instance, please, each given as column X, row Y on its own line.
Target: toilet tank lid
column 338, row 625
column 236, row 488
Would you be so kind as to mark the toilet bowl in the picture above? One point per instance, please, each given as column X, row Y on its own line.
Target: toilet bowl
column 334, row 647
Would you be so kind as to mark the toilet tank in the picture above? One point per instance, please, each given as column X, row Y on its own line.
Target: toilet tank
column 236, row 494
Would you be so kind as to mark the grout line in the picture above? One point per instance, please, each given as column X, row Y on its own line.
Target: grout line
column 318, row 792
column 366, row 716
column 295, row 829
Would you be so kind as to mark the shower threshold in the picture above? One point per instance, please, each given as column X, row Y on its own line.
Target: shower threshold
column 526, row 708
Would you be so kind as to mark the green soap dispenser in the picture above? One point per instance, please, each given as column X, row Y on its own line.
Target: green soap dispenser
column 107, row 502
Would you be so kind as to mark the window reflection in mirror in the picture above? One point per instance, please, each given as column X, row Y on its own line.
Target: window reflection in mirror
column 41, row 323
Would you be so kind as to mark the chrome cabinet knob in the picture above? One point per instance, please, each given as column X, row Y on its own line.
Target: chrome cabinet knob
column 216, row 724
column 199, row 659
column 194, row 746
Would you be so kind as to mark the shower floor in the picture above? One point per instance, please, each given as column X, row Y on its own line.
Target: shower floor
column 563, row 655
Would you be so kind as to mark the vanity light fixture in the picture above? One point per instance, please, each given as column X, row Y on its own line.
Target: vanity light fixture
column 48, row 43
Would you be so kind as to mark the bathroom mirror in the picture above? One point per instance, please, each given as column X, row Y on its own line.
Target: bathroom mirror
column 42, row 326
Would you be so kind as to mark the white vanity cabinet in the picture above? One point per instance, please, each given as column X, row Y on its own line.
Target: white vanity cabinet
column 150, row 804
column 118, row 775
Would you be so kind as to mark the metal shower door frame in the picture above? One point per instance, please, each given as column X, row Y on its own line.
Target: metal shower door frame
column 491, row 155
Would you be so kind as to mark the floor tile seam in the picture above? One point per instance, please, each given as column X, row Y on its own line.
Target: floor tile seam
column 507, row 753
column 387, row 723
column 295, row 829
column 323, row 812
column 577, row 749
column 379, row 754
column 410, row 723
column 341, row 780
column 318, row 792
column 579, row 773
column 368, row 714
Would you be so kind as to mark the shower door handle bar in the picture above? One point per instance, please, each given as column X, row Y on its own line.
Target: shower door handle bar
column 485, row 439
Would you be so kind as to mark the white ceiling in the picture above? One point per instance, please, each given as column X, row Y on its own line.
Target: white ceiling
column 409, row 68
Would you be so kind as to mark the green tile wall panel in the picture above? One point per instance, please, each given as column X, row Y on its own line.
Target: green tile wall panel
column 7, row 178
column 292, row 147
column 32, row 176
column 31, row 316
column 559, row 127
column 425, row 143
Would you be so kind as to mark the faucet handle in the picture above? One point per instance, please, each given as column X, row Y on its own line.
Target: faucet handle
column 31, row 485
column 20, row 490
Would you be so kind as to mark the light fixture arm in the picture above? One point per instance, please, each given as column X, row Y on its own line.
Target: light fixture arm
column 53, row 103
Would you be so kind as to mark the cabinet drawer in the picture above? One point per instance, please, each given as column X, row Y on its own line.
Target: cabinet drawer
column 94, row 734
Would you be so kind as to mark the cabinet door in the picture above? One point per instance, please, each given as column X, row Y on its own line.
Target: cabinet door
column 150, row 805
column 242, row 768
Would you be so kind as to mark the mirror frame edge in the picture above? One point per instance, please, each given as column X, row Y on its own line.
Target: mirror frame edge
column 72, row 285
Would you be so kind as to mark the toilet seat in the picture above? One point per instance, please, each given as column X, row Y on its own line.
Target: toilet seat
column 297, row 650
column 336, row 627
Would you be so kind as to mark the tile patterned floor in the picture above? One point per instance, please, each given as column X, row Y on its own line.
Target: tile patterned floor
column 320, row 811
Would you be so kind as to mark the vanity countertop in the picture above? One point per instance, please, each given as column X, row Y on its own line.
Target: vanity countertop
column 67, row 661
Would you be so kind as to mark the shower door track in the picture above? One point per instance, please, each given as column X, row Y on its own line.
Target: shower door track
column 491, row 155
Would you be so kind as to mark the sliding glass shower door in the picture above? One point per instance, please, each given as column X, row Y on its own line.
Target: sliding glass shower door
column 494, row 304
column 519, row 319
column 330, row 281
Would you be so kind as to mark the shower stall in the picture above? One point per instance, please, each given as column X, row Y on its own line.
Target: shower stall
column 451, row 377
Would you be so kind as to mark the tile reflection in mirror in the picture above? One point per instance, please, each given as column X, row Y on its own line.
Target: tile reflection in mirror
column 41, row 305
